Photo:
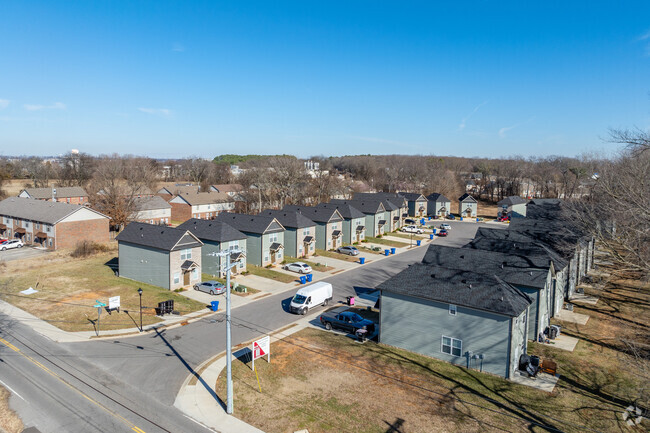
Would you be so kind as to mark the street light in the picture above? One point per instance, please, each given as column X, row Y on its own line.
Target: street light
column 140, row 293
column 226, row 254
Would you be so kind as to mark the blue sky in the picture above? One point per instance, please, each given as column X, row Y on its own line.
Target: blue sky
column 190, row 78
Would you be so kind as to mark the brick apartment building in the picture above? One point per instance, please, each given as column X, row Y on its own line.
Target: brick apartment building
column 52, row 225
column 201, row 205
column 70, row 195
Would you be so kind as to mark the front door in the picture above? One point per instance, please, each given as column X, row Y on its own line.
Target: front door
column 186, row 278
column 272, row 257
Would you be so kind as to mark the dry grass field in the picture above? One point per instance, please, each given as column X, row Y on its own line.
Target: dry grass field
column 9, row 420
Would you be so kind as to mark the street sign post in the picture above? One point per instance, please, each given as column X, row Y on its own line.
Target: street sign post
column 99, row 306
column 114, row 303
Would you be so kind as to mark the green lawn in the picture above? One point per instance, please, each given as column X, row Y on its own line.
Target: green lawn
column 387, row 242
column 407, row 236
column 316, row 266
column 271, row 274
column 337, row 256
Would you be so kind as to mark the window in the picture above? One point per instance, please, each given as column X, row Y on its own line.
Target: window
column 195, row 274
column 333, row 226
column 177, row 277
column 305, row 232
column 452, row 309
column 273, row 237
column 452, row 346
column 186, row 254
column 48, row 228
column 49, row 241
column 233, row 245
column 26, row 224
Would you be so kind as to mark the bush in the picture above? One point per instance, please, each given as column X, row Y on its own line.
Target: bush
column 88, row 248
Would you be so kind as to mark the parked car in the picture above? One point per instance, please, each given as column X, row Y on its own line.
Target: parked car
column 212, row 287
column 300, row 267
column 445, row 226
column 412, row 229
column 451, row 217
column 311, row 296
column 503, row 218
column 409, row 221
column 14, row 243
column 349, row 250
column 348, row 321
column 443, row 233
column 2, row 241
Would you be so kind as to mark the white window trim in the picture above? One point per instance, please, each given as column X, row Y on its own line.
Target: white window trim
column 453, row 310
column 177, row 277
column 451, row 345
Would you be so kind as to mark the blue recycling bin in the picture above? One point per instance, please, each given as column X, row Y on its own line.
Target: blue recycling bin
column 476, row 219
column 434, row 231
column 362, row 260
column 309, row 277
column 419, row 242
column 422, row 221
column 303, row 279
column 461, row 218
column 429, row 218
column 392, row 250
column 215, row 305
column 431, row 236
column 386, row 252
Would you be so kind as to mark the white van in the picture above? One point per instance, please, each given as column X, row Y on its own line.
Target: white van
column 309, row 297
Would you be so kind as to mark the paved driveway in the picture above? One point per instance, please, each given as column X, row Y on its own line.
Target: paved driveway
column 21, row 253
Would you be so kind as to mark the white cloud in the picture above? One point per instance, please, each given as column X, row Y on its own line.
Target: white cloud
column 4, row 103
column 463, row 123
column 156, row 111
column 37, row 107
column 178, row 47
column 502, row 131
column 645, row 36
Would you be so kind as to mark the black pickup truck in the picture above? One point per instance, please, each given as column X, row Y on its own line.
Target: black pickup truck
column 347, row 321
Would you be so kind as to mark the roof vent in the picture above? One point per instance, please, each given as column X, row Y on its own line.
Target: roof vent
column 470, row 286
column 531, row 273
column 462, row 256
column 502, row 299
column 432, row 275
column 463, row 281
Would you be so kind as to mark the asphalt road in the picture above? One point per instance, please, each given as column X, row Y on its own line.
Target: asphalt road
column 121, row 383
column 21, row 253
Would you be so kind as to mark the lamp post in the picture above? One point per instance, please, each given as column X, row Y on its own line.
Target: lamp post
column 229, row 396
column 140, row 293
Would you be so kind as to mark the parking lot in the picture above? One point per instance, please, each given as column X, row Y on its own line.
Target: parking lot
column 21, row 253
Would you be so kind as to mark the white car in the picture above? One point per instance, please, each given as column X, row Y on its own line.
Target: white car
column 14, row 243
column 300, row 267
column 412, row 229
column 445, row 226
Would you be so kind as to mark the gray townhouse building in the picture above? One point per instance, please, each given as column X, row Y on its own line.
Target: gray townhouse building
column 417, row 204
column 299, row 235
column 438, row 205
column 354, row 221
column 467, row 206
column 264, row 237
column 217, row 236
column 393, row 202
column 329, row 225
column 513, row 206
column 375, row 212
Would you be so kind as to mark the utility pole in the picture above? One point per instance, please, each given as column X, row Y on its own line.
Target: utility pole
column 229, row 390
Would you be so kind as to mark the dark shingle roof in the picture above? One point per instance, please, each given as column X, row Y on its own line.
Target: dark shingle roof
column 438, row 198
column 394, row 198
column 512, row 200
column 291, row 219
column 212, row 230
column 365, row 206
column 412, row 196
column 61, row 192
column 199, row 198
column 453, row 286
column 49, row 212
column 317, row 214
column 159, row 237
column 466, row 197
column 347, row 211
column 150, row 203
column 258, row 224
column 513, row 267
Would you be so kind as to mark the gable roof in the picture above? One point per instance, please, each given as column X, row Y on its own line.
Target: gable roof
column 371, row 207
column 150, row 203
column 347, row 211
column 228, row 187
column 179, row 189
column 159, row 237
column 512, row 200
column 49, row 212
column 212, row 230
column 393, row 198
column 259, row 224
column 61, row 192
column 317, row 214
column 467, row 198
column 413, row 196
column 459, row 287
column 199, row 198
column 289, row 218
column 513, row 267
column 438, row 198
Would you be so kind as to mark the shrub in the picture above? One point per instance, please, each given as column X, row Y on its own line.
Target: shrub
column 88, row 248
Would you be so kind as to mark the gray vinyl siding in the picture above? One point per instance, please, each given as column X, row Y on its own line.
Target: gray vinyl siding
column 433, row 207
column 290, row 242
column 254, row 248
column 518, row 210
column 144, row 264
column 266, row 248
column 210, row 264
column 347, row 232
column 414, row 207
column 558, row 291
column 321, row 236
column 371, row 225
column 418, row 325
column 539, row 309
column 462, row 207
column 573, row 273
column 519, row 342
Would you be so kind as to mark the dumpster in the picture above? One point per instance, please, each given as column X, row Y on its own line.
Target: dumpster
column 392, row 250
column 303, row 279
column 431, row 236
column 214, row 305
column 350, row 300
column 309, row 277
column 386, row 252
column 419, row 242
column 362, row 260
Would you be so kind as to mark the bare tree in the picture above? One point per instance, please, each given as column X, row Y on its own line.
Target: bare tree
column 77, row 169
